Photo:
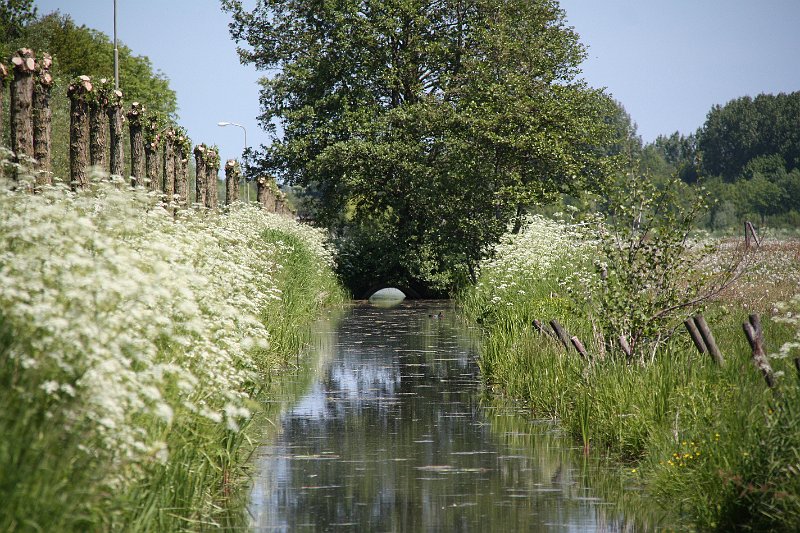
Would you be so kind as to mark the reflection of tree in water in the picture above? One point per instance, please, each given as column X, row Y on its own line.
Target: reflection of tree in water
column 394, row 438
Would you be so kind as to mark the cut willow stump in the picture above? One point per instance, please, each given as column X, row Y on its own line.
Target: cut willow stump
column 708, row 340
column 755, row 337
column 3, row 78
column 152, row 143
column 184, row 148
column 22, row 104
column 135, row 117
column 168, row 165
column 263, row 191
column 212, row 173
column 233, row 173
column 116, row 133
column 200, row 174
column 98, row 125
column 560, row 333
column 42, row 120
column 79, row 93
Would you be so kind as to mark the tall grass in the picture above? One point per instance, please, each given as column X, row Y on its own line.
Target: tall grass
column 134, row 348
column 713, row 443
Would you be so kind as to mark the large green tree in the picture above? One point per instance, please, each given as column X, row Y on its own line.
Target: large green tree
column 424, row 126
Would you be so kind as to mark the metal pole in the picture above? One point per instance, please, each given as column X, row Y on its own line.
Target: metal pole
column 116, row 50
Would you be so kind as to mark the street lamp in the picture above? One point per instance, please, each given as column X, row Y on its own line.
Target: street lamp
column 223, row 124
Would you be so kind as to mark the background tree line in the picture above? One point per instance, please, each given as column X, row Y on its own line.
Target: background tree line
column 746, row 154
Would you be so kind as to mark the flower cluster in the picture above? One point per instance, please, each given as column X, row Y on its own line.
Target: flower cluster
column 115, row 313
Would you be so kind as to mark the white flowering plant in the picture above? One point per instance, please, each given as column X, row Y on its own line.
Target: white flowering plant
column 125, row 330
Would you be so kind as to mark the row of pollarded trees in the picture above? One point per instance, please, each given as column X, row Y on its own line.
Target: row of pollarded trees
column 159, row 149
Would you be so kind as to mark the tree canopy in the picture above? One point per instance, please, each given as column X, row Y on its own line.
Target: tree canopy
column 78, row 50
column 424, row 126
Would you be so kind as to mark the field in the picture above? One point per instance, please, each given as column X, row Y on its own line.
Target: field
column 712, row 442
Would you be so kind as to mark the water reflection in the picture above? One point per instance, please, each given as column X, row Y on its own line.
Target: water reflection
column 393, row 437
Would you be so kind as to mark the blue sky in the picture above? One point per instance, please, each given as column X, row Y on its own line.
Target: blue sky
column 667, row 61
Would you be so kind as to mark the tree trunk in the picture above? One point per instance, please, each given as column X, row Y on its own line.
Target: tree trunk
column 200, row 174
column 169, row 166
column 152, row 142
column 79, row 93
column 3, row 78
column 42, row 120
column 212, row 174
column 182, row 167
column 114, row 111
column 135, row 115
column 264, row 195
column 98, row 126
column 22, row 104
column 232, row 175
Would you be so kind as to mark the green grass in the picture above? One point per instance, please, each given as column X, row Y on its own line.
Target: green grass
column 713, row 444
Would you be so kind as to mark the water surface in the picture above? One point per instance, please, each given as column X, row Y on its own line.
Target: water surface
column 395, row 435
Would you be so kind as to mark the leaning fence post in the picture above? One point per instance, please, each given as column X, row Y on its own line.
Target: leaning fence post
column 755, row 337
column 708, row 339
column 581, row 349
column 561, row 333
column 697, row 339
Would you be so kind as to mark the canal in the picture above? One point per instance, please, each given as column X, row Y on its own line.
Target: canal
column 396, row 434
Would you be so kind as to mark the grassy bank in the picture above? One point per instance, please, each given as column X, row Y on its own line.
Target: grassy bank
column 134, row 349
column 713, row 443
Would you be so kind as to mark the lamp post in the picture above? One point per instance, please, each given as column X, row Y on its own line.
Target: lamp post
column 116, row 50
column 223, row 124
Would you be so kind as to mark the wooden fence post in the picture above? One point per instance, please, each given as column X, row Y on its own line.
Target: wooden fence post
column 560, row 333
column 200, row 174
column 697, row 339
column 79, row 93
column 114, row 110
column 755, row 337
column 135, row 116
column 626, row 348
column 42, row 120
column 579, row 347
column 708, row 340
column 232, row 175
column 22, row 104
